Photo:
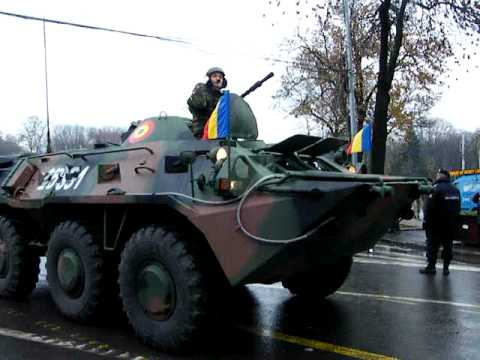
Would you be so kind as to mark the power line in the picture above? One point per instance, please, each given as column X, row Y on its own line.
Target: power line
column 130, row 33
column 98, row 28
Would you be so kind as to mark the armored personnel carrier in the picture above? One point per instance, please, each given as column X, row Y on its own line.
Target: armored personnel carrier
column 174, row 220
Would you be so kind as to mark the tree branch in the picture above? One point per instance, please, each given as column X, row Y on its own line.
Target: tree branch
column 397, row 43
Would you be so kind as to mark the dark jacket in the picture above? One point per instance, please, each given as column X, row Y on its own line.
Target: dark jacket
column 201, row 104
column 442, row 208
column 476, row 199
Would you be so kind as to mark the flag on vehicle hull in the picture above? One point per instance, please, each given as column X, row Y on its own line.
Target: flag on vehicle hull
column 362, row 141
column 218, row 124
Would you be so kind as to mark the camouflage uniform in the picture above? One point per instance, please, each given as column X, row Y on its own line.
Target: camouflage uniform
column 201, row 104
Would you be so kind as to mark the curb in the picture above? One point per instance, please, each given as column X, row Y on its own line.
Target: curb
column 409, row 245
column 417, row 246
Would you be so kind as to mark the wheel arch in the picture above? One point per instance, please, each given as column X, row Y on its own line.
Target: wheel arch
column 118, row 222
column 34, row 228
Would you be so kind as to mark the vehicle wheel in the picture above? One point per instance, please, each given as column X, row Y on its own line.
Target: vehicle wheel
column 19, row 266
column 321, row 282
column 163, row 290
column 75, row 272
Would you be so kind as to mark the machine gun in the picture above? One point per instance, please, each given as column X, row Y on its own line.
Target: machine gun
column 257, row 85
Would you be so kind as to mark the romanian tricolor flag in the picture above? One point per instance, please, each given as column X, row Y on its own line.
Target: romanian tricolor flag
column 362, row 141
column 218, row 125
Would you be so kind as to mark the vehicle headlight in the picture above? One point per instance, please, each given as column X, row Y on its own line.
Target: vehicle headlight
column 218, row 155
column 221, row 154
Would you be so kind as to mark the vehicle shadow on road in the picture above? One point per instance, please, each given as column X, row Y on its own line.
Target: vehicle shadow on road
column 308, row 316
column 249, row 325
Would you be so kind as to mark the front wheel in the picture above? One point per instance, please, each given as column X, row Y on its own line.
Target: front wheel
column 322, row 281
column 19, row 266
column 163, row 290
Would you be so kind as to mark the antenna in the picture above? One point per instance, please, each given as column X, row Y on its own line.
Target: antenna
column 49, row 140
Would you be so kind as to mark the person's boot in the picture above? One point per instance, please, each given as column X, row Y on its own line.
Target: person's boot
column 429, row 270
column 446, row 272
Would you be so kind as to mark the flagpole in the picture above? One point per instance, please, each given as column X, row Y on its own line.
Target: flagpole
column 352, row 106
column 229, row 137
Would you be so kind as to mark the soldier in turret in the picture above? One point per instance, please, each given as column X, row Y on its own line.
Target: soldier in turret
column 204, row 98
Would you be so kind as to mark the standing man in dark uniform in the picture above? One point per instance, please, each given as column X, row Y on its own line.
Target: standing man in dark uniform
column 204, row 98
column 440, row 221
column 476, row 200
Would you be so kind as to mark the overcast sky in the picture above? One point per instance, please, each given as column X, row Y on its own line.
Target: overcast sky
column 98, row 78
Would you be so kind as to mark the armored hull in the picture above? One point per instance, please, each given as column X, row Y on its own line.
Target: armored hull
column 172, row 218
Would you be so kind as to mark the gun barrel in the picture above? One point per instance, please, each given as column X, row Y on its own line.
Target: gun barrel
column 257, row 84
column 270, row 75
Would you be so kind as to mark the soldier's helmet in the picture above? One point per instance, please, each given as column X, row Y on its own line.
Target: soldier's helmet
column 215, row 69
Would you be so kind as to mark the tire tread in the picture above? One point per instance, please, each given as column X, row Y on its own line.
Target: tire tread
column 168, row 239
column 25, row 265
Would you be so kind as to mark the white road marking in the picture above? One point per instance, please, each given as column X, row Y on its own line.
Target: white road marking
column 396, row 258
column 278, row 286
column 388, row 255
column 403, row 299
column 391, row 255
column 362, row 260
column 410, row 299
column 403, row 302
column 69, row 345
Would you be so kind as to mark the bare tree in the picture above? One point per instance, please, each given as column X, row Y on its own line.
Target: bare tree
column 105, row 134
column 33, row 134
column 424, row 150
column 68, row 137
column 64, row 137
column 8, row 145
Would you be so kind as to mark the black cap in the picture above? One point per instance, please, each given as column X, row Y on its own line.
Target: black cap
column 444, row 172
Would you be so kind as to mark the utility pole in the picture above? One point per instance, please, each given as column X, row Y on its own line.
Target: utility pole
column 352, row 104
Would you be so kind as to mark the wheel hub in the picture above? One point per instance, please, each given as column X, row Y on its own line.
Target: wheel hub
column 70, row 272
column 3, row 258
column 156, row 291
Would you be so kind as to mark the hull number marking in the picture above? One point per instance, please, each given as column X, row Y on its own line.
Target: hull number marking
column 63, row 178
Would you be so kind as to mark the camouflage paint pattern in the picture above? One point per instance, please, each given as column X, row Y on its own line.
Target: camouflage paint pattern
column 347, row 212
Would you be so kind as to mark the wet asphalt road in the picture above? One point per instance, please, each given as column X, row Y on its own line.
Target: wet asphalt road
column 385, row 310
